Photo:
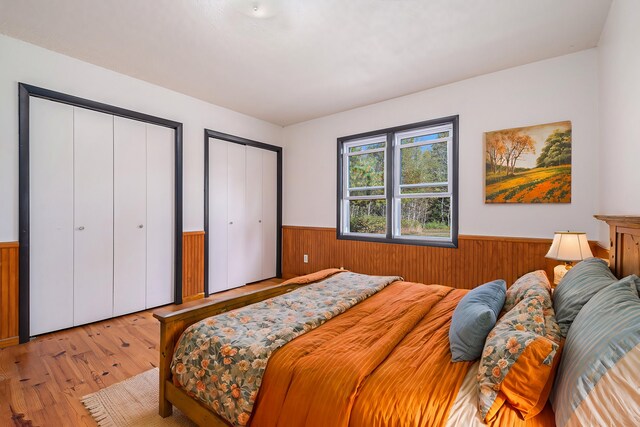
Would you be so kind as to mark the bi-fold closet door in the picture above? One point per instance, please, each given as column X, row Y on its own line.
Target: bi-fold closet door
column 92, row 216
column 242, row 214
column 143, row 216
column 101, row 216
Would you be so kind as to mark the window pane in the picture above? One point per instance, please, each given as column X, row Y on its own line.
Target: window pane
column 366, row 147
column 366, row 170
column 424, row 189
column 424, row 164
column 376, row 192
column 421, row 138
column 427, row 217
column 368, row 216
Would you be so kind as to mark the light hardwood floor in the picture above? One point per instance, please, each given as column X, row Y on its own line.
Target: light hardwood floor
column 41, row 382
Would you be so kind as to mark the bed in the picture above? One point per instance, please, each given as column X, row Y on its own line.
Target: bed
column 378, row 356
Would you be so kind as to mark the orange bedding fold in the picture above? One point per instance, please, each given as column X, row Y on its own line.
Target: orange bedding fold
column 385, row 361
column 507, row 416
column 313, row 277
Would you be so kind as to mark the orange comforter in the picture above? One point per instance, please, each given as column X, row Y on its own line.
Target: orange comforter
column 384, row 362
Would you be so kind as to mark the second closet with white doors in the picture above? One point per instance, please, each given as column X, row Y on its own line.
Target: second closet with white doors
column 243, row 215
column 102, row 215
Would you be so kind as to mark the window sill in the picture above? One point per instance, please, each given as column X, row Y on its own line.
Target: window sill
column 402, row 241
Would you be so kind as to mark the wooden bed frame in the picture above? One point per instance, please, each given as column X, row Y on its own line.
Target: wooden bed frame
column 624, row 241
column 173, row 321
column 624, row 258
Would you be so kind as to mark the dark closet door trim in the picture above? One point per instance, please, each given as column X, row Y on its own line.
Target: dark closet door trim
column 25, row 92
column 208, row 133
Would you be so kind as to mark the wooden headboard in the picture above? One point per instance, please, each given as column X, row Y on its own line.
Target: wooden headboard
column 624, row 238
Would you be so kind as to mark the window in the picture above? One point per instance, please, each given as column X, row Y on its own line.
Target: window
column 400, row 185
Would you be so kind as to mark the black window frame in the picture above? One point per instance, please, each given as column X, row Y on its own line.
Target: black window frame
column 389, row 152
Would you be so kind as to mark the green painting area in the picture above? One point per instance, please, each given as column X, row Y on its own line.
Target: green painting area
column 538, row 185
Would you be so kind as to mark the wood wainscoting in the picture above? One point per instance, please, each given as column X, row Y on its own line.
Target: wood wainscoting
column 192, row 281
column 8, row 294
column 478, row 259
column 192, row 265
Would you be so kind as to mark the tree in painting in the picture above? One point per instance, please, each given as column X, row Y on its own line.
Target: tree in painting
column 506, row 147
column 514, row 174
column 556, row 150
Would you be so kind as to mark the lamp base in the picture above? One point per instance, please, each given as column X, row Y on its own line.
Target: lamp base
column 559, row 272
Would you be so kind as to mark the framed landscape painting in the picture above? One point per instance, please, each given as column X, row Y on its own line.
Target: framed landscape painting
column 529, row 164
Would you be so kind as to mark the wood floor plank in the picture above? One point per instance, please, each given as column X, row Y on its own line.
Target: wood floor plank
column 43, row 380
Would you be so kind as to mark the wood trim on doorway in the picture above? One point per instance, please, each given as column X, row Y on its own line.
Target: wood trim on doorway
column 25, row 92
column 208, row 133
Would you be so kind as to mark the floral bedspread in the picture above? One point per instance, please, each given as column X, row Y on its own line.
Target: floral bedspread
column 221, row 360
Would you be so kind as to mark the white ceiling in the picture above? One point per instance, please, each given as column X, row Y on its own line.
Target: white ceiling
column 307, row 58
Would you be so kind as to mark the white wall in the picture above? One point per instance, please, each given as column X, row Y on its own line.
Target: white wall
column 23, row 62
column 563, row 88
column 619, row 61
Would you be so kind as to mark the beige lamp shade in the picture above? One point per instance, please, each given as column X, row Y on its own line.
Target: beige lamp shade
column 569, row 246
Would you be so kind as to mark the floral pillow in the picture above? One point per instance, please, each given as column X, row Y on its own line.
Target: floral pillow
column 531, row 284
column 519, row 359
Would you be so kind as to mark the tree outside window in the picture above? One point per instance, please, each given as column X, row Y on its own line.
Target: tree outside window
column 399, row 185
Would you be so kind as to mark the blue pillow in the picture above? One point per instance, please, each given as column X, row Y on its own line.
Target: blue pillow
column 473, row 319
column 605, row 331
column 577, row 287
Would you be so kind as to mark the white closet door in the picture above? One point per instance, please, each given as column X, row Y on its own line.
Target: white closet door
column 269, row 213
column 236, row 215
column 160, row 215
column 130, row 215
column 253, row 203
column 93, row 211
column 218, row 222
column 51, row 216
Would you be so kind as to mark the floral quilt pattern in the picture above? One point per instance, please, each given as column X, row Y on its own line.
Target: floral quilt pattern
column 221, row 360
column 531, row 284
column 533, row 317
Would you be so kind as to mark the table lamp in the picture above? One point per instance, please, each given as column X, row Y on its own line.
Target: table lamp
column 568, row 246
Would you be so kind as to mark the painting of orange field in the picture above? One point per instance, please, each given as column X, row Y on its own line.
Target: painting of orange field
column 529, row 164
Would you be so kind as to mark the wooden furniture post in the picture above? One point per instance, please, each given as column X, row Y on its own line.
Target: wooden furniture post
column 173, row 321
column 624, row 237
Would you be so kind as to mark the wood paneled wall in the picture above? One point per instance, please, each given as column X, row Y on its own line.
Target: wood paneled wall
column 477, row 259
column 192, row 265
column 8, row 294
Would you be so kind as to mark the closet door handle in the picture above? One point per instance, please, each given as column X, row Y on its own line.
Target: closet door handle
column 260, row 221
column 230, row 222
column 141, row 226
column 81, row 228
